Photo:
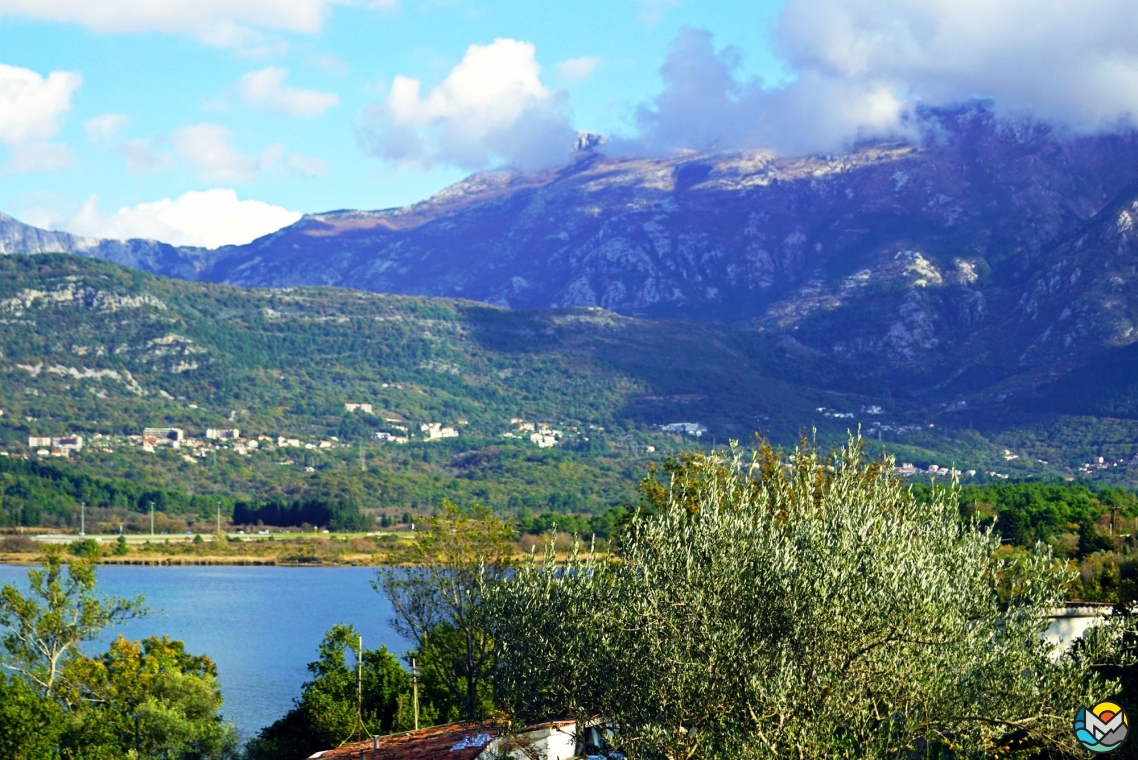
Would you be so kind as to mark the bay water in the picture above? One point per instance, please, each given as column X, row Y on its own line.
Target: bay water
column 261, row 625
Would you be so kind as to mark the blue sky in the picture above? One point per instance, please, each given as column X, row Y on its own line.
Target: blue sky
column 148, row 84
column 207, row 122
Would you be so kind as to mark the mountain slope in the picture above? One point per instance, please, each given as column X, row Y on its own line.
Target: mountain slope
column 914, row 263
column 148, row 255
column 92, row 348
column 83, row 341
column 986, row 262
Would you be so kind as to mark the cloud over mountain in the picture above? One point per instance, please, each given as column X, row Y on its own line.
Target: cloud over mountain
column 491, row 107
column 861, row 67
column 210, row 219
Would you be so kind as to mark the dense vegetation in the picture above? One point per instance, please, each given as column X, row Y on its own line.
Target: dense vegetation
column 147, row 699
column 1073, row 519
column 743, row 592
column 799, row 606
column 317, row 512
column 711, row 541
column 91, row 348
column 325, row 714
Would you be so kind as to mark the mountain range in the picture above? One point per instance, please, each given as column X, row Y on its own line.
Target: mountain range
column 984, row 264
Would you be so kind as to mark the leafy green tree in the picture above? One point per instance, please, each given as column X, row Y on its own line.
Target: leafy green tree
column 43, row 630
column 802, row 606
column 438, row 600
column 324, row 715
column 30, row 724
column 148, row 699
column 1091, row 539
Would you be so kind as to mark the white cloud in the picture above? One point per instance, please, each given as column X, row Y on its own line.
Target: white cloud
column 265, row 89
column 209, row 219
column 492, row 107
column 1074, row 63
column 101, row 130
column 860, row 68
column 142, row 158
column 306, row 166
column 652, row 11
column 30, row 105
column 207, row 148
column 40, row 156
column 219, row 22
column 704, row 106
column 576, row 69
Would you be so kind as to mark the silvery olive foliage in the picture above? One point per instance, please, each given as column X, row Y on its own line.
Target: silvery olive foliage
column 801, row 606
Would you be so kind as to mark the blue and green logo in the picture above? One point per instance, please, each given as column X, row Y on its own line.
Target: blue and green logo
column 1102, row 728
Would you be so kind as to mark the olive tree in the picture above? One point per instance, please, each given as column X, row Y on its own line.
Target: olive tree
column 796, row 606
column 438, row 602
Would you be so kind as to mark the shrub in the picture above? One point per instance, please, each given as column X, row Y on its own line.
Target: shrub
column 18, row 545
column 801, row 606
column 85, row 547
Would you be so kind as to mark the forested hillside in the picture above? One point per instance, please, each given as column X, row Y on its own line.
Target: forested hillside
column 554, row 411
column 101, row 351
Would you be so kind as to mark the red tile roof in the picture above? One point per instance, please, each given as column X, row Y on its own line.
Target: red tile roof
column 454, row 741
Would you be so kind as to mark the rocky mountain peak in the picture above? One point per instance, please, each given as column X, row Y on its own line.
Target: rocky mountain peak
column 992, row 243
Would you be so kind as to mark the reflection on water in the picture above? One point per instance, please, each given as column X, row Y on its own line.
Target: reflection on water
column 261, row 625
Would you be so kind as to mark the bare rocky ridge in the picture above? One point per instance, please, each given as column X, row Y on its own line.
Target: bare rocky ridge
column 933, row 262
column 148, row 255
column 993, row 250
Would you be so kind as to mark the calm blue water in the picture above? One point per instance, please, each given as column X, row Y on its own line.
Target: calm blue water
column 261, row 625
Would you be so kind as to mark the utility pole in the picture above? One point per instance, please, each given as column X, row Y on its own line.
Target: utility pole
column 415, row 691
column 1114, row 537
column 363, row 465
column 152, row 519
column 83, row 519
column 219, row 517
column 360, row 691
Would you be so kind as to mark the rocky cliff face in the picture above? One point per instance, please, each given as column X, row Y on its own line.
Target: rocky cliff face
column 993, row 250
column 149, row 255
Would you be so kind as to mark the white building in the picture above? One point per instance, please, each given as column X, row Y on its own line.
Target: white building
column 693, row 429
column 223, row 434
column 388, row 437
column 546, row 437
column 433, row 431
column 350, row 407
column 162, row 435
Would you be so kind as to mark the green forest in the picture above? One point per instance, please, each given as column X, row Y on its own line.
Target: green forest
column 94, row 349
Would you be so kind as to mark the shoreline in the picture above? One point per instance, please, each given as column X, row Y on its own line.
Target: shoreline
column 176, row 561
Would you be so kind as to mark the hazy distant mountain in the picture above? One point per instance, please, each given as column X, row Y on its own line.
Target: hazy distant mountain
column 150, row 255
